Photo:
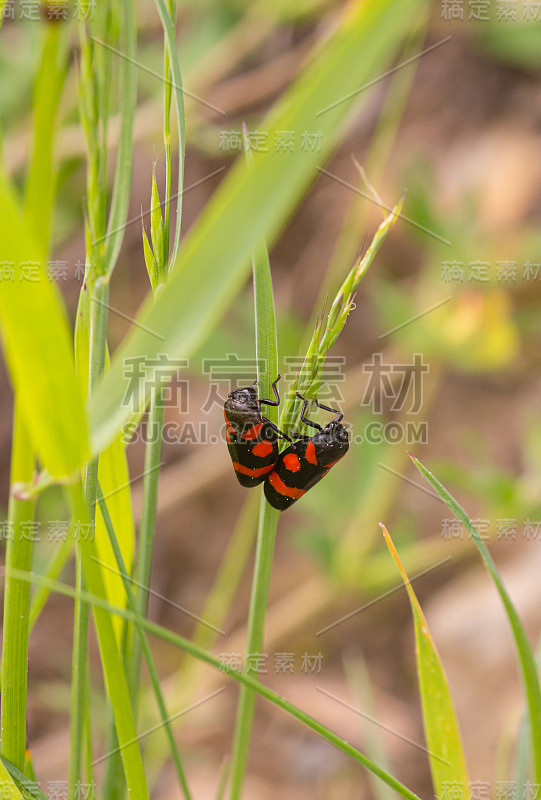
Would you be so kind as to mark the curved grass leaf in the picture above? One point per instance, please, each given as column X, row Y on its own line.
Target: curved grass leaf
column 197, row 652
column 252, row 204
column 526, row 658
column 445, row 752
column 7, row 782
column 38, row 349
column 41, row 181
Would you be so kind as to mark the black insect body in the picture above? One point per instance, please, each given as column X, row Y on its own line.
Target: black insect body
column 252, row 440
column 305, row 462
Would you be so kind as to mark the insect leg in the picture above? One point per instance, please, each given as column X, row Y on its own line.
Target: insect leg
column 280, row 433
column 303, row 413
column 277, row 396
column 339, row 416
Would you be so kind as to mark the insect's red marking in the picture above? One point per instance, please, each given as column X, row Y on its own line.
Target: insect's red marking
column 310, row 453
column 230, row 428
column 254, row 432
column 255, row 472
column 291, row 462
column 287, row 491
column 262, row 449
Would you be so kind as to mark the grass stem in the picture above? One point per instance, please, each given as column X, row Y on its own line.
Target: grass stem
column 19, row 552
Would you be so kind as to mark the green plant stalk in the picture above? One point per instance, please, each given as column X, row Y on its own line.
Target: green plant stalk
column 38, row 205
column 167, row 15
column 79, row 681
column 146, row 534
column 522, row 756
column 526, row 658
column 102, row 249
column 153, row 672
column 88, row 751
column 124, row 161
column 308, row 379
column 80, row 671
column 267, row 371
column 95, row 211
column 113, row 786
column 327, row 332
column 268, row 521
column 19, row 554
column 245, row 680
column 167, row 137
column 156, row 411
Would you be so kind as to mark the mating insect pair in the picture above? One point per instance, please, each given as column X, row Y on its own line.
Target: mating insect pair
column 252, row 441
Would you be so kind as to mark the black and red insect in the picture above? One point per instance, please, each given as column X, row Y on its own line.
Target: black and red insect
column 252, row 440
column 306, row 461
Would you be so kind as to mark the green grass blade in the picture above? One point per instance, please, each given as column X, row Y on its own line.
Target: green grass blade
column 252, row 204
column 188, row 647
column 37, row 212
column 446, row 754
column 327, row 332
column 266, row 340
column 19, row 553
column 38, row 349
column 10, row 789
column 80, row 686
column 266, row 535
column 526, row 658
column 153, row 672
column 178, row 94
column 23, row 782
column 267, row 371
column 522, row 757
column 143, row 567
column 113, row 668
column 41, row 181
column 114, row 479
column 128, row 92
